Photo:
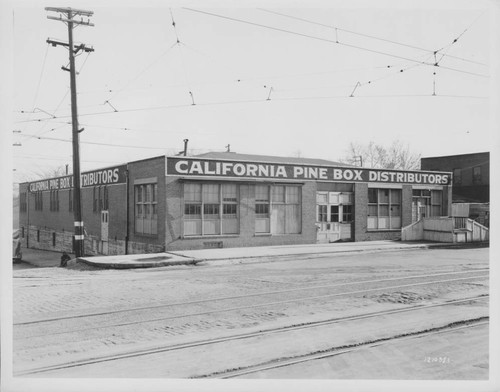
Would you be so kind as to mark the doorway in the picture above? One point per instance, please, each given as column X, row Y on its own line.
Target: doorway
column 104, row 232
column 334, row 216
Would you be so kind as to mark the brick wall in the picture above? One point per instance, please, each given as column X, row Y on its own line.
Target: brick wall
column 406, row 205
column 467, row 190
column 148, row 168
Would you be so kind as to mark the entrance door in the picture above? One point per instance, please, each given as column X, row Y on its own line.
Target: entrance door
column 104, row 231
column 333, row 216
column 420, row 208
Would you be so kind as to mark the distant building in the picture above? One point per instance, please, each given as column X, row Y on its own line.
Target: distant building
column 471, row 175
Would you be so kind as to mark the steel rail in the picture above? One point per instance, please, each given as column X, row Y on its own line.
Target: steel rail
column 315, row 324
column 210, row 300
column 334, row 352
column 206, row 312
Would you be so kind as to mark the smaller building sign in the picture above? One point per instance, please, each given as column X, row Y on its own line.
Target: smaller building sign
column 108, row 176
column 178, row 166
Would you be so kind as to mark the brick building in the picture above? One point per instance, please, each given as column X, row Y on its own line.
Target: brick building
column 471, row 175
column 229, row 200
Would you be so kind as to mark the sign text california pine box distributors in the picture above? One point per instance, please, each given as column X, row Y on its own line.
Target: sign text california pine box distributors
column 220, row 168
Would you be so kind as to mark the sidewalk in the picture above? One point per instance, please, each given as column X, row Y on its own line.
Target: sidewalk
column 264, row 252
column 40, row 258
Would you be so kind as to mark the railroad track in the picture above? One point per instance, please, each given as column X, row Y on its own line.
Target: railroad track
column 210, row 301
column 281, row 361
column 334, row 351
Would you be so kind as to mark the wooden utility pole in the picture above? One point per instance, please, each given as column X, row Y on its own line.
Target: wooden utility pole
column 67, row 15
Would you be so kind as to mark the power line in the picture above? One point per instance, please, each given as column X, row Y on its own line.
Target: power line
column 41, row 74
column 332, row 41
column 236, row 102
column 141, row 72
column 369, row 36
column 57, row 159
column 97, row 144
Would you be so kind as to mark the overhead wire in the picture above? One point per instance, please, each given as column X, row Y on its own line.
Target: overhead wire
column 116, row 92
column 367, row 35
column 181, row 56
column 41, row 75
column 330, row 41
column 97, row 143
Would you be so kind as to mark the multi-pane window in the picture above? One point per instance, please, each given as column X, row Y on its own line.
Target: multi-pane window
column 100, row 198
column 427, row 203
column 95, row 199
column 334, row 213
column 146, row 208
column 384, row 209
column 476, row 175
column 262, row 209
column 105, row 198
column 38, row 201
column 436, row 203
column 210, row 209
column 347, row 213
column 322, row 213
column 54, row 200
column 70, row 200
column 23, row 204
column 278, row 209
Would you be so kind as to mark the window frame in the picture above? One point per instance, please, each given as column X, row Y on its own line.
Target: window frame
column 387, row 204
column 476, row 177
column 145, row 208
column 210, row 203
column 279, row 195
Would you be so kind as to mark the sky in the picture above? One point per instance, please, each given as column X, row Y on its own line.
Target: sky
column 265, row 79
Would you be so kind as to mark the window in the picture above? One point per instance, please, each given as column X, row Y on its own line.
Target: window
column 384, row 209
column 322, row 213
column 457, row 176
column 54, row 200
column 70, row 200
column 95, row 200
column 105, row 198
column 426, row 203
column 436, row 202
column 334, row 213
column 278, row 209
column 38, row 201
column 347, row 213
column 146, row 208
column 476, row 175
column 262, row 203
column 23, row 204
column 210, row 209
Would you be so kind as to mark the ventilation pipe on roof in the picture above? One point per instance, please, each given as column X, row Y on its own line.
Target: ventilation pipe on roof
column 185, row 146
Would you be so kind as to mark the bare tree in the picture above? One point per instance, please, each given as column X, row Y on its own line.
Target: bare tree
column 396, row 156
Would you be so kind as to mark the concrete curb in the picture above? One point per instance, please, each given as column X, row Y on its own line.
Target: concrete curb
column 179, row 259
column 339, row 252
column 132, row 265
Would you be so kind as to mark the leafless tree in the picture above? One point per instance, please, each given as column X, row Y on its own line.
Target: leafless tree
column 396, row 156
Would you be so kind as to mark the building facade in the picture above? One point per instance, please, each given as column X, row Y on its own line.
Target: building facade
column 229, row 200
column 471, row 175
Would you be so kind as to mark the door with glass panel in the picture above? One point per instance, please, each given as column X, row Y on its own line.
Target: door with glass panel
column 426, row 203
column 334, row 213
